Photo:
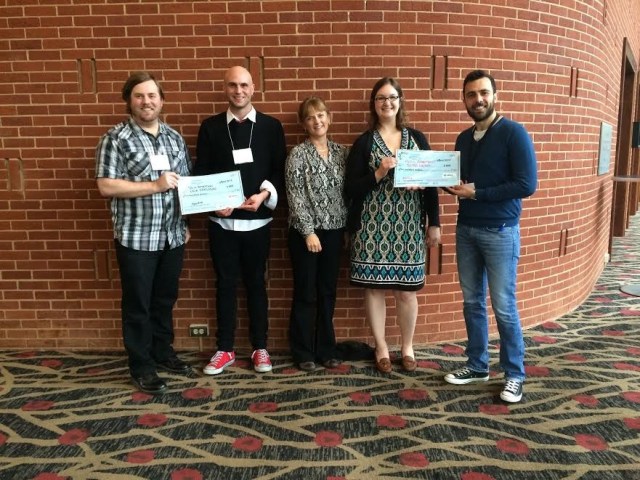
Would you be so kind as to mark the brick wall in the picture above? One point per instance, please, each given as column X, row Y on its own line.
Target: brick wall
column 63, row 62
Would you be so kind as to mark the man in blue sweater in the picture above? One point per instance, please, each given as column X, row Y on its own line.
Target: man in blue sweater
column 498, row 169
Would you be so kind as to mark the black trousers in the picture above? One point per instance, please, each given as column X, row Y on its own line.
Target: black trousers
column 315, row 279
column 234, row 255
column 149, row 291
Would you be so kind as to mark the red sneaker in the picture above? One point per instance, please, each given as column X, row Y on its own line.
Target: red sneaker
column 219, row 362
column 261, row 361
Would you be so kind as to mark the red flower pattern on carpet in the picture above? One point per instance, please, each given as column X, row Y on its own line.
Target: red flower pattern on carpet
column 613, row 333
column 52, row 363
column 360, row 397
column 263, row 407
column 49, row 476
column 26, row 355
column 552, row 326
column 453, row 349
column 391, row 421
column 494, row 409
column 186, row 474
column 152, row 420
column 626, row 366
column 247, row 444
column 197, row 393
column 139, row 397
column 591, row 442
column 414, row 459
column 429, row 364
column 511, row 445
column 74, row 436
column 575, row 357
column 544, row 339
column 476, row 476
column 632, row 423
column 3, row 438
column 37, row 405
column 631, row 396
column 536, row 371
column 633, row 350
column 586, row 400
column 326, row 438
column 141, row 456
column 413, row 394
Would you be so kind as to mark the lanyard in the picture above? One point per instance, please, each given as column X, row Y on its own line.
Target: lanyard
column 474, row 149
column 231, row 139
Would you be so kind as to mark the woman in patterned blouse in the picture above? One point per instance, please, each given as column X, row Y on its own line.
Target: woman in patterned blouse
column 314, row 177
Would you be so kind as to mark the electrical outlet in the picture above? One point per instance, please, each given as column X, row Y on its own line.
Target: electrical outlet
column 198, row 330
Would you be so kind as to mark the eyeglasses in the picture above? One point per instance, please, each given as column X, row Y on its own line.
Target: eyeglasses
column 391, row 98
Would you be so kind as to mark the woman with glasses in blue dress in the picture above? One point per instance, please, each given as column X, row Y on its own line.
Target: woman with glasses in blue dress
column 389, row 226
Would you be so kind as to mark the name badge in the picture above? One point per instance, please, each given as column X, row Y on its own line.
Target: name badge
column 159, row 162
column 242, row 155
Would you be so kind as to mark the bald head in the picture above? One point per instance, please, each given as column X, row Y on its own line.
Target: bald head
column 239, row 88
column 238, row 72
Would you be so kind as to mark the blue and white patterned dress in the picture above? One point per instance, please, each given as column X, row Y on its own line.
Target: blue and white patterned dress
column 388, row 251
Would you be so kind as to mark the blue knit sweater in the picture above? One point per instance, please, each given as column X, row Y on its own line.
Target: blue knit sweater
column 502, row 165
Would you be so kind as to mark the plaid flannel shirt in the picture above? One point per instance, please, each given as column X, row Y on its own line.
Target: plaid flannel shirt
column 144, row 223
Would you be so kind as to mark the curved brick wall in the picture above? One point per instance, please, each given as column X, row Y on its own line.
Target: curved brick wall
column 558, row 71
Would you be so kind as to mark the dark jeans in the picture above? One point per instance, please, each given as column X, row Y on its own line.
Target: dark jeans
column 235, row 255
column 149, row 291
column 315, row 279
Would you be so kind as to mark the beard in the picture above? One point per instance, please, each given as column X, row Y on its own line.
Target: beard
column 478, row 117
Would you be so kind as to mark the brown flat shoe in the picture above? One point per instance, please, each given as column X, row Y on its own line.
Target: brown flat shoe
column 383, row 365
column 409, row 363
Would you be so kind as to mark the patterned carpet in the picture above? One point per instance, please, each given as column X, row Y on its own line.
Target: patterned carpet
column 76, row 416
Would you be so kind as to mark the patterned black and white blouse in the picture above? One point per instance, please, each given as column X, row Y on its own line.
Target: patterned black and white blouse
column 315, row 188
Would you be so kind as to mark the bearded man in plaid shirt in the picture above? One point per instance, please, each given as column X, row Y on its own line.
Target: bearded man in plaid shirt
column 138, row 165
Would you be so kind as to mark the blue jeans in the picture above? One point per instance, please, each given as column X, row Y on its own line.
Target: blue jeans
column 490, row 256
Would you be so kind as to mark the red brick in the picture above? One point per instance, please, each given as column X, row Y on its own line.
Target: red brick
column 307, row 48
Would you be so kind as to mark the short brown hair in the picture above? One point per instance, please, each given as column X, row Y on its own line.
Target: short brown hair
column 477, row 75
column 311, row 102
column 134, row 79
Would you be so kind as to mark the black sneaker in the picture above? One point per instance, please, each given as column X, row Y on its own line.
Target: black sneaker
column 512, row 391
column 466, row 375
column 150, row 383
column 174, row 365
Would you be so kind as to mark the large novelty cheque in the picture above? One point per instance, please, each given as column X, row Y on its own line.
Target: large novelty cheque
column 426, row 168
column 207, row 193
